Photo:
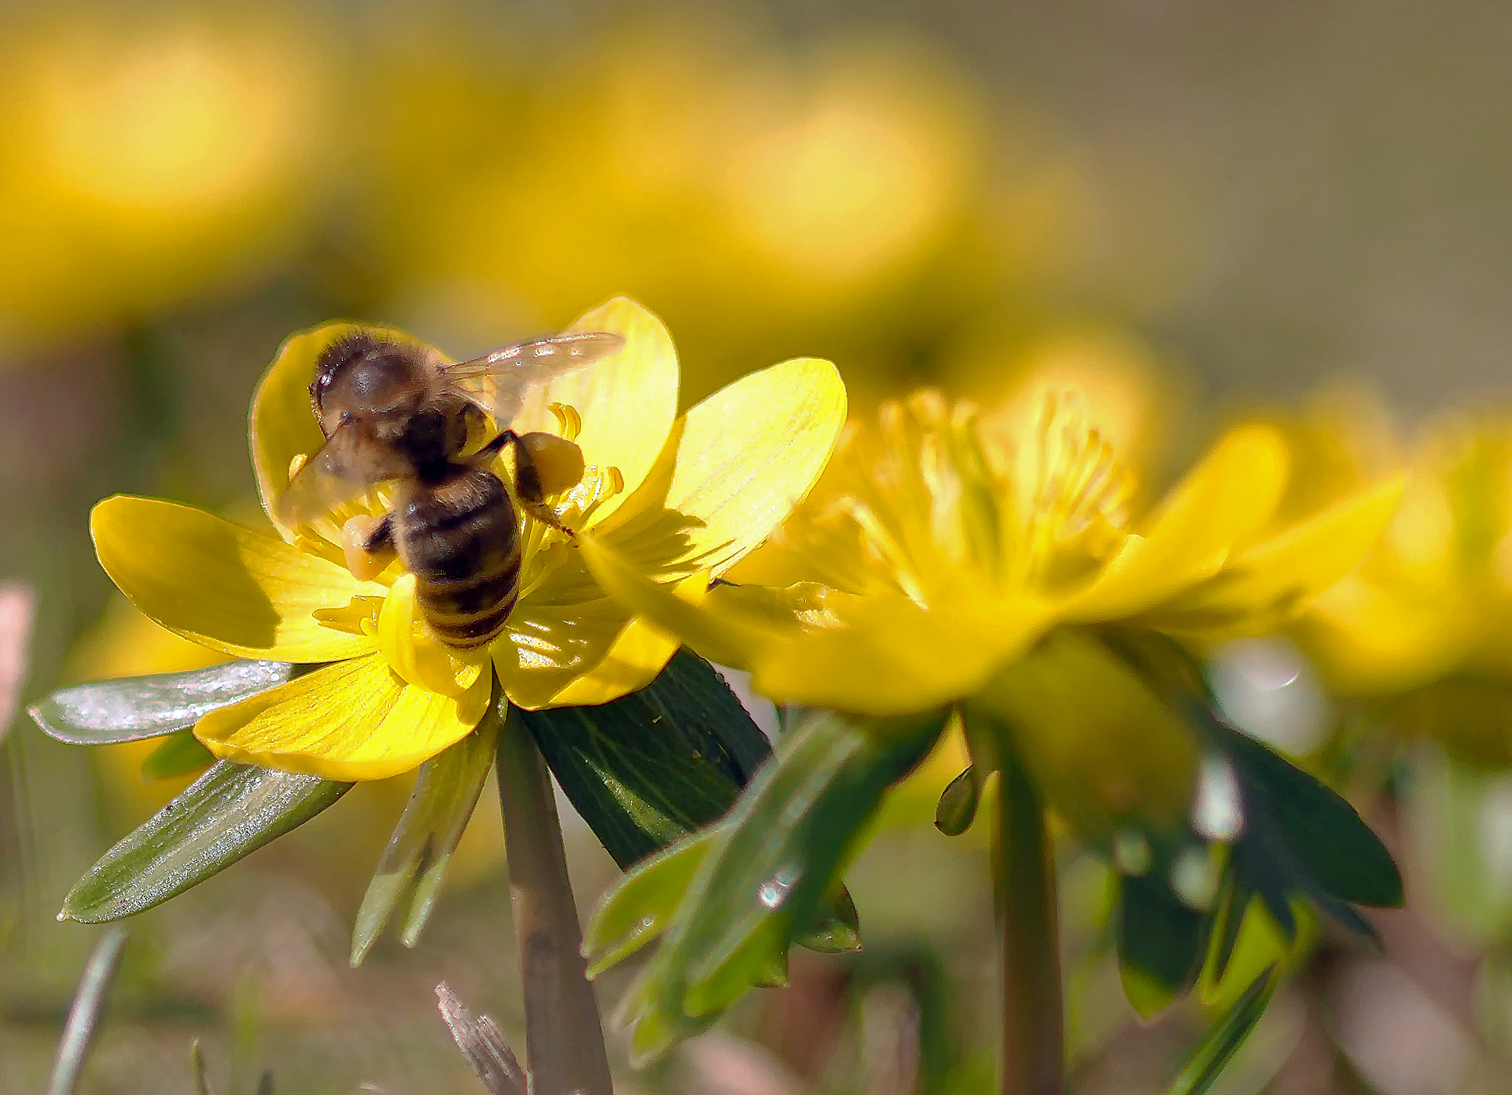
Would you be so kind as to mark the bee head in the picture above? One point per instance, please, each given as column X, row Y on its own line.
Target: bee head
column 360, row 375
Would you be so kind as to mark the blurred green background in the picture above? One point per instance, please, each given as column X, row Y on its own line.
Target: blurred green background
column 1229, row 204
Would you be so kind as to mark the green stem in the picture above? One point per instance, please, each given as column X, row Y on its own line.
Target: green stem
column 564, row 1040
column 1034, row 1042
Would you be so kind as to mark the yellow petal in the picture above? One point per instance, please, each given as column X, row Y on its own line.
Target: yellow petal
column 283, row 423
column 1222, row 503
column 545, row 647
column 725, row 635
column 878, row 654
column 888, row 656
column 738, row 462
column 1274, row 580
column 627, row 402
column 232, row 589
column 413, row 650
column 355, row 720
column 1373, row 638
column 639, row 652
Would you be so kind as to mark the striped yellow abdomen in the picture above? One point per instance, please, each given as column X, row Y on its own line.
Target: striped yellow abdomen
column 459, row 538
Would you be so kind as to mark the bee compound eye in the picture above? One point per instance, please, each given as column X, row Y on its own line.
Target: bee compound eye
column 558, row 462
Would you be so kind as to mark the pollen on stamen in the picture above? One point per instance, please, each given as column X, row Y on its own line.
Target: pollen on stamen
column 606, row 483
column 569, row 422
column 1073, row 489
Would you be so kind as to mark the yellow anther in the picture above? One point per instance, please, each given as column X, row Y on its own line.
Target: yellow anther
column 569, row 422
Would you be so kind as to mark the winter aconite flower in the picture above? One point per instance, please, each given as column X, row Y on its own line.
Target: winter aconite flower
column 952, row 561
column 1421, row 632
column 673, row 496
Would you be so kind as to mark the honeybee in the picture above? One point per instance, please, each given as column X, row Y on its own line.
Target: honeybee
column 395, row 411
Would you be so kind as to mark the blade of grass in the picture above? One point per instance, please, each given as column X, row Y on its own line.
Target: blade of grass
column 1224, row 1040
column 84, row 1015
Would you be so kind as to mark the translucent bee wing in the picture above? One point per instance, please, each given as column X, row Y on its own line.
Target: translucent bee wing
column 497, row 382
column 325, row 482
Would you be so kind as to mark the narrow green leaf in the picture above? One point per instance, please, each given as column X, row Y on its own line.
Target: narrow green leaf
column 641, row 906
column 1268, row 868
column 652, row 766
column 1323, row 831
column 1161, row 942
column 958, row 803
column 1235, row 894
column 178, row 754
column 133, row 708
column 772, row 862
column 446, row 791
column 231, row 810
column 1225, row 1038
column 838, row 929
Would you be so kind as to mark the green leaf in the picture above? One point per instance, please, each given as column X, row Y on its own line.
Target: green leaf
column 958, row 803
column 133, row 708
column 652, row 766
column 649, row 768
column 1269, row 868
column 231, row 810
column 1235, row 895
column 1225, row 1038
column 641, row 906
column 1323, row 831
column 178, row 754
column 769, row 867
column 838, row 929
column 446, row 791
column 1161, row 942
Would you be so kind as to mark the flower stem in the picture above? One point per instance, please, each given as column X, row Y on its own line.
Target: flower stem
column 1034, row 1043
column 564, row 1040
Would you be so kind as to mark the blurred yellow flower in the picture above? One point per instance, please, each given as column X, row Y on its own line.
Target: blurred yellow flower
column 150, row 162
column 674, row 495
column 955, row 557
column 1427, row 618
column 845, row 189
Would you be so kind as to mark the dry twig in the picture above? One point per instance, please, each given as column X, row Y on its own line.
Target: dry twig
column 482, row 1043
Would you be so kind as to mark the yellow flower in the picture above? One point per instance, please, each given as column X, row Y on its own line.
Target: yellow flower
column 674, row 496
column 964, row 558
column 1427, row 618
column 149, row 161
column 853, row 191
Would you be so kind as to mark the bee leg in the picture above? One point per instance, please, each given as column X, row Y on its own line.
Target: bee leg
column 368, row 545
column 528, row 489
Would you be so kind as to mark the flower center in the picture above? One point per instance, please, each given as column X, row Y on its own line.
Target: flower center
column 1070, row 494
column 934, row 497
column 544, row 548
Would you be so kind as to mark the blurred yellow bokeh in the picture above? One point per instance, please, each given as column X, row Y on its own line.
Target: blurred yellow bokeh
column 143, row 164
